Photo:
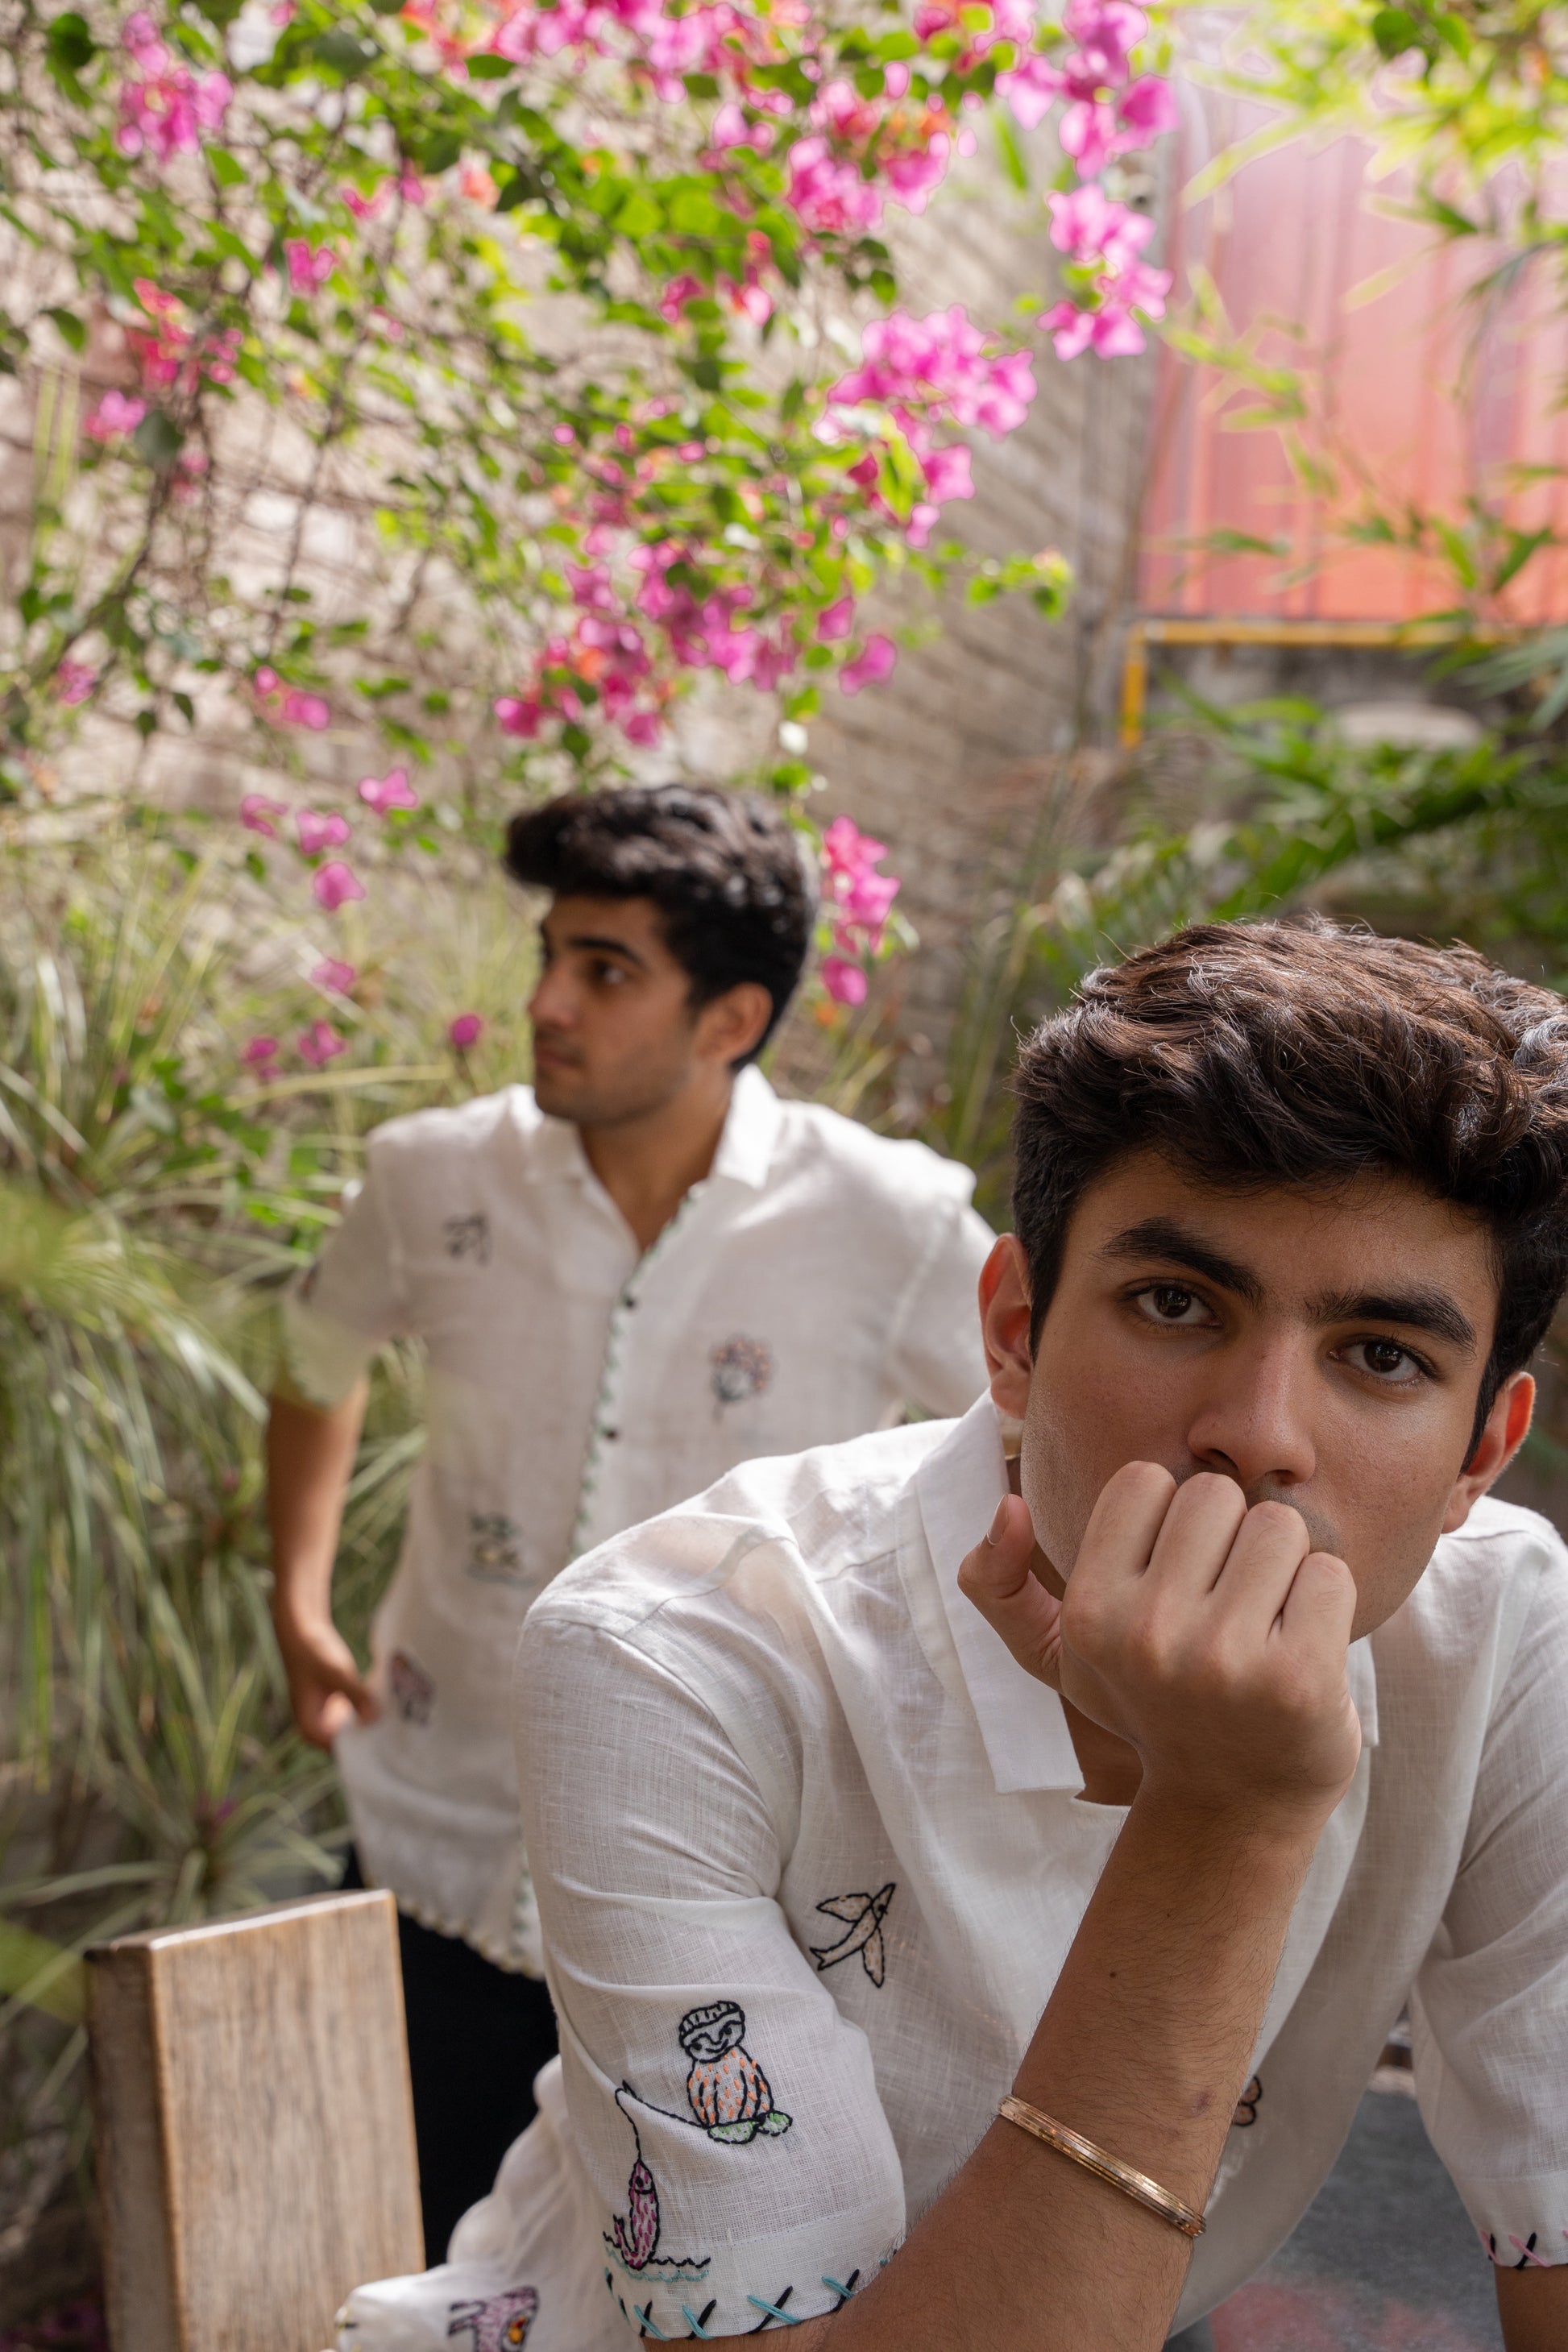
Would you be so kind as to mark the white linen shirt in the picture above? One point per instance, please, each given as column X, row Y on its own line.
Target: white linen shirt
column 821, row 1278
column 810, row 1854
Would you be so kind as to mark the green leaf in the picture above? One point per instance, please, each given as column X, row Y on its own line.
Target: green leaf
column 70, row 327
column 1011, row 155
column 1395, row 33
column 186, row 709
column 344, row 52
column 438, row 151
column 158, row 439
column 227, row 170
column 69, row 43
column 146, row 723
column 489, row 68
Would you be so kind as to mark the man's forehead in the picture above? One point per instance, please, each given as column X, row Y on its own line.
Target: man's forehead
column 635, row 922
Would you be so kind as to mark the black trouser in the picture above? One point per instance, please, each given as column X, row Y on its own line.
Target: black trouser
column 476, row 2037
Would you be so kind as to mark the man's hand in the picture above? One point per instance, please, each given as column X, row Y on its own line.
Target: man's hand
column 1210, row 1637
column 326, row 1689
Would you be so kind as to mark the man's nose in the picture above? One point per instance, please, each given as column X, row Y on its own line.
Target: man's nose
column 1255, row 1424
column 551, row 1004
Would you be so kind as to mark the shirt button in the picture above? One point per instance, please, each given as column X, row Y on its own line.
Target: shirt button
column 609, row 1435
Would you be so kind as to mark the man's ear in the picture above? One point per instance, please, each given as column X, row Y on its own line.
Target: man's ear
column 732, row 1025
column 1507, row 1427
column 1004, row 1325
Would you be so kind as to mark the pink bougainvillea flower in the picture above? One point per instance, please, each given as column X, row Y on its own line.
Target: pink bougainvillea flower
column 847, row 850
column 74, row 681
column 116, row 413
column 870, row 665
column 844, row 981
column 318, row 832
column 836, row 621
column 410, row 186
column 265, row 681
column 320, row 1043
column 332, row 974
column 518, row 714
column 479, row 185
column 309, row 266
column 257, row 813
column 392, row 791
column 466, row 1031
column 364, row 208
column 643, row 727
column 1145, row 109
column 306, row 710
column 261, row 1056
column 335, row 883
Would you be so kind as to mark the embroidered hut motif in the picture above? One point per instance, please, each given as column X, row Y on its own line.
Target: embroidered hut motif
column 413, row 1692
column 499, row 2323
column 1246, row 2106
column 467, row 1237
column 728, row 2090
column 741, row 1369
column 864, row 1914
column 493, row 1555
column 633, row 2236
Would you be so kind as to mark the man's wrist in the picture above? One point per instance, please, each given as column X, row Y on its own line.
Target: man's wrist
column 1259, row 1830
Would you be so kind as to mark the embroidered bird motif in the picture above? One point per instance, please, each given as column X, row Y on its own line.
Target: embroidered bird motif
column 864, row 1914
column 727, row 2089
column 499, row 2323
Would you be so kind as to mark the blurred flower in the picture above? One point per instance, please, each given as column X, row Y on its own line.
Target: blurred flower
column 334, row 884
column 309, row 266
column 74, row 681
column 518, row 714
column 836, row 621
column 320, row 1043
column 257, row 811
column 116, row 413
column 870, row 665
column 261, row 1056
column 466, row 1031
column 391, row 791
column 332, row 974
column 845, row 982
column 318, row 832
column 479, row 185
column 307, row 711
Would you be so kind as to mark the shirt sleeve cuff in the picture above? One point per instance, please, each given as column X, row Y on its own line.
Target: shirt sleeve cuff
column 322, row 1357
column 1523, row 2224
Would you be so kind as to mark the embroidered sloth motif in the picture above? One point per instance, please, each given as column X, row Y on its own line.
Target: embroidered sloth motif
column 728, row 2091
column 499, row 2323
column 467, row 1237
column 1245, row 2113
column 493, row 1554
column 413, row 1692
column 633, row 2236
column 864, row 1914
column 743, row 1368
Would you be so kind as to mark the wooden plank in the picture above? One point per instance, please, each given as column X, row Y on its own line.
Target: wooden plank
column 256, row 2126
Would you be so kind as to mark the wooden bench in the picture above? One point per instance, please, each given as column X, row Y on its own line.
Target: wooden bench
column 255, row 2125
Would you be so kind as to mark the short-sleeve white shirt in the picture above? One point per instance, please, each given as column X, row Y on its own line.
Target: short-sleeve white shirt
column 810, row 1853
column 820, row 1279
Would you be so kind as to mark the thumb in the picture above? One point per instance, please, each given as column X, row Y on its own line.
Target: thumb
column 998, row 1577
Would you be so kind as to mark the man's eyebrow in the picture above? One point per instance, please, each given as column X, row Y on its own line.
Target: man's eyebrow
column 600, row 944
column 1164, row 1237
column 1419, row 1311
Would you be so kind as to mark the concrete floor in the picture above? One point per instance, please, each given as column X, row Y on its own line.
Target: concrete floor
column 1385, row 2261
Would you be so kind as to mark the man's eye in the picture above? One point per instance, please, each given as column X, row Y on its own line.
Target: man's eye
column 1168, row 1303
column 1386, row 1360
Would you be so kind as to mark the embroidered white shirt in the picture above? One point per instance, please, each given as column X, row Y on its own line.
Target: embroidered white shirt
column 818, row 1281
column 810, row 1853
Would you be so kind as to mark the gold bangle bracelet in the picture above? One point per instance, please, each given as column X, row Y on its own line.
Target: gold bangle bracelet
column 1136, row 2185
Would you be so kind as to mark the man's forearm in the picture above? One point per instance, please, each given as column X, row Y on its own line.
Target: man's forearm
column 1143, row 2048
column 309, row 1460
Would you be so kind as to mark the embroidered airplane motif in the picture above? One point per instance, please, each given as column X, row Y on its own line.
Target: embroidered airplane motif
column 864, row 1914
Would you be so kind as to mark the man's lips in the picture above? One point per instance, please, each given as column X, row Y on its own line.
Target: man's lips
column 552, row 1058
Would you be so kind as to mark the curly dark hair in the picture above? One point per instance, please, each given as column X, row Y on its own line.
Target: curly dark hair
column 727, row 871
column 1303, row 1052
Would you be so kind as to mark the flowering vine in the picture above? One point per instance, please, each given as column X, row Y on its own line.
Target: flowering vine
column 340, row 214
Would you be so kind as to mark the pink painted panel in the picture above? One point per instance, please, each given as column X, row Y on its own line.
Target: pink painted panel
column 1434, row 391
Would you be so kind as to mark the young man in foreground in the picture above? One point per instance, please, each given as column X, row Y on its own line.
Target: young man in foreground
column 831, row 1794
column 628, row 1277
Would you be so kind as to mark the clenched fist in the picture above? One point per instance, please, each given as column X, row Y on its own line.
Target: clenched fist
column 1209, row 1637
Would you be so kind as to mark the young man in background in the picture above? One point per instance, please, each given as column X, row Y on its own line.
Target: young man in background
column 627, row 1279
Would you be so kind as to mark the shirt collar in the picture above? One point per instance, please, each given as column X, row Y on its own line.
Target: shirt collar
column 1022, row 1722
column 745, row 1148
